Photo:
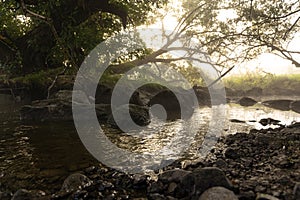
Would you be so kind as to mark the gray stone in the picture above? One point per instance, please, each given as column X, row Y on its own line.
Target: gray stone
column 218, row 193
column 139, row 114
column 246, row 101
column 201, row 179
column 75, row 181
column 174, row 175
column 295, row 106
column 282, row 104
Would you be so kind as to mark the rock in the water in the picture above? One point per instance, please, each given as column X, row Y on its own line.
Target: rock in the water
column 172, row 105
column 195, row 183
column 57, row 108
column 295, row 106
column 269, row 121
column 139, row 115
column 246, row 101
column 296, row 191
column 218, row 193
column 75, row 181
column 23, row 194
column 237, row 121
column 278, row 104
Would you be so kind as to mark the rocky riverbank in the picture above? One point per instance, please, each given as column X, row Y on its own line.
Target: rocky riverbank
column 261, row 164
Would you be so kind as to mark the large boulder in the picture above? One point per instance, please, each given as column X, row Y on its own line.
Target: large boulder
column 282, row 104
column 169, row 101
column 47, row 110
column 201, row 179
column 57, row 108
column 174, row 175
column 247, row 101
column 139, row 114
column 203, row 95
column 216, row 193
column 295, row 106
column 75, row 181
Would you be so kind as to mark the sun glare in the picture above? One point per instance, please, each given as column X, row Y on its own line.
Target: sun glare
column 226, row 14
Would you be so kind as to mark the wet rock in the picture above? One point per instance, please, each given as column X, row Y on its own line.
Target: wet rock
column 203, row 95
column 247, row 101
column 215, row 193
column 23, row 194
column 46, row 110
column 75, row 181
column 174, row 175
column 139, row 114
column 236, row 121
column 260, row 196
column 55, row 109
column 269, row 121
column 278, row 104
column 174, row 108
column 195, row 183
column 231, row 153
column 295, row 106
column 296, row 191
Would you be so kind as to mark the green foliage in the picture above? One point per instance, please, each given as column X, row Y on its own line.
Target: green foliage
column 42, row 78
column 76, row 37
column 268, row 81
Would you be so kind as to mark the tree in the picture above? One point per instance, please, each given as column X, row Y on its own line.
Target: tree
column 231, row 32
column 47, row 34
column 238, row 30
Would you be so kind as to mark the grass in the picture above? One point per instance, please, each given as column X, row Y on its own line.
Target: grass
column 41, row 78
column 268, row 81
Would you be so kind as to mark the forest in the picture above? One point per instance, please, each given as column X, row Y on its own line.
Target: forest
column 144, row 99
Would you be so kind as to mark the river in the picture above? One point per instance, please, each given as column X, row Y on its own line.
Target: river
column 42, row 155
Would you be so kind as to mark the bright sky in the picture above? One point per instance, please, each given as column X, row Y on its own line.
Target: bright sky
column 266, row 62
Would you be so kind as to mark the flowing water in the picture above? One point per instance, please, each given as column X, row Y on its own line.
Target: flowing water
column 41, row 155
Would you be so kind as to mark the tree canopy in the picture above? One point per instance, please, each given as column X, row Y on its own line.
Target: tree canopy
column 44, row 34
column 238, row 30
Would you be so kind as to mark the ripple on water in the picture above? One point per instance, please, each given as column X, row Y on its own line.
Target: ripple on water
column 39, row 155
